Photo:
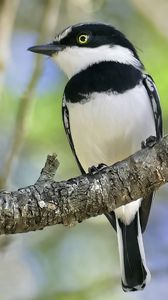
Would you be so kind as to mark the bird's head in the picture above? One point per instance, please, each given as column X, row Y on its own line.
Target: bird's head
column 79, row 46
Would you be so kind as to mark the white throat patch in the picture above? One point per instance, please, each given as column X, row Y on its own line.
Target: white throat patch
column 74, row 59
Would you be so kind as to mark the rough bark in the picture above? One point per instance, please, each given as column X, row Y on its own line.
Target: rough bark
column 48, row 202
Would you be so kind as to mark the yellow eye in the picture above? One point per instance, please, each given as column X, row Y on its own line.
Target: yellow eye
column 83, row 39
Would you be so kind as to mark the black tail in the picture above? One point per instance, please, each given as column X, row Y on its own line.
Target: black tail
column 135, row 273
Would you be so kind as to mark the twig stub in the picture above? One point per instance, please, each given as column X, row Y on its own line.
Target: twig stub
column 50, row 168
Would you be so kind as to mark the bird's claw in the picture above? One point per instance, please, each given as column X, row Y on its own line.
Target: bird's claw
column 95, row 169
column 149, row 143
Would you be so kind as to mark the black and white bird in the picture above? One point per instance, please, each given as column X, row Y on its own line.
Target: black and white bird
column 110, row 105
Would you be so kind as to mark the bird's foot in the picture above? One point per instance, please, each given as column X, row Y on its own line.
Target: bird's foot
column 95, row 169
column 149, row 143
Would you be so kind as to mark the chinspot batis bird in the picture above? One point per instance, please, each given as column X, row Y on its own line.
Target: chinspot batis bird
column 110, row 105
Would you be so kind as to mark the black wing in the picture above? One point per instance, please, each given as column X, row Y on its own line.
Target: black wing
column 65, row 117
column 157, row 113
column 155, row 103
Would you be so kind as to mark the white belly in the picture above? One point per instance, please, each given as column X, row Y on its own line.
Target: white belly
column 110, row 127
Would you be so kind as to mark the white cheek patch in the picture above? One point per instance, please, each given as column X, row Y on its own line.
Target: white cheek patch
column 74, row 59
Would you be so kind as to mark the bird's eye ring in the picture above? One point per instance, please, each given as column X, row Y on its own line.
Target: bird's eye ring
column 83, row 38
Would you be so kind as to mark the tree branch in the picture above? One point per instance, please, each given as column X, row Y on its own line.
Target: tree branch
column 48, row 24
column 48, row 202
column 8, row 11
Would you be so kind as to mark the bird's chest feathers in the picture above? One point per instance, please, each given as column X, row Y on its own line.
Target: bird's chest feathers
column 109, row 127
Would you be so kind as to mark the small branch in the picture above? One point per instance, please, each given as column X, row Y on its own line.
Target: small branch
column 48, row 24
column 8, row 11
column 48, row 202
column 49, row 170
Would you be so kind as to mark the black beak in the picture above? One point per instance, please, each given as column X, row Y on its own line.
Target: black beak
column 48, row 49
